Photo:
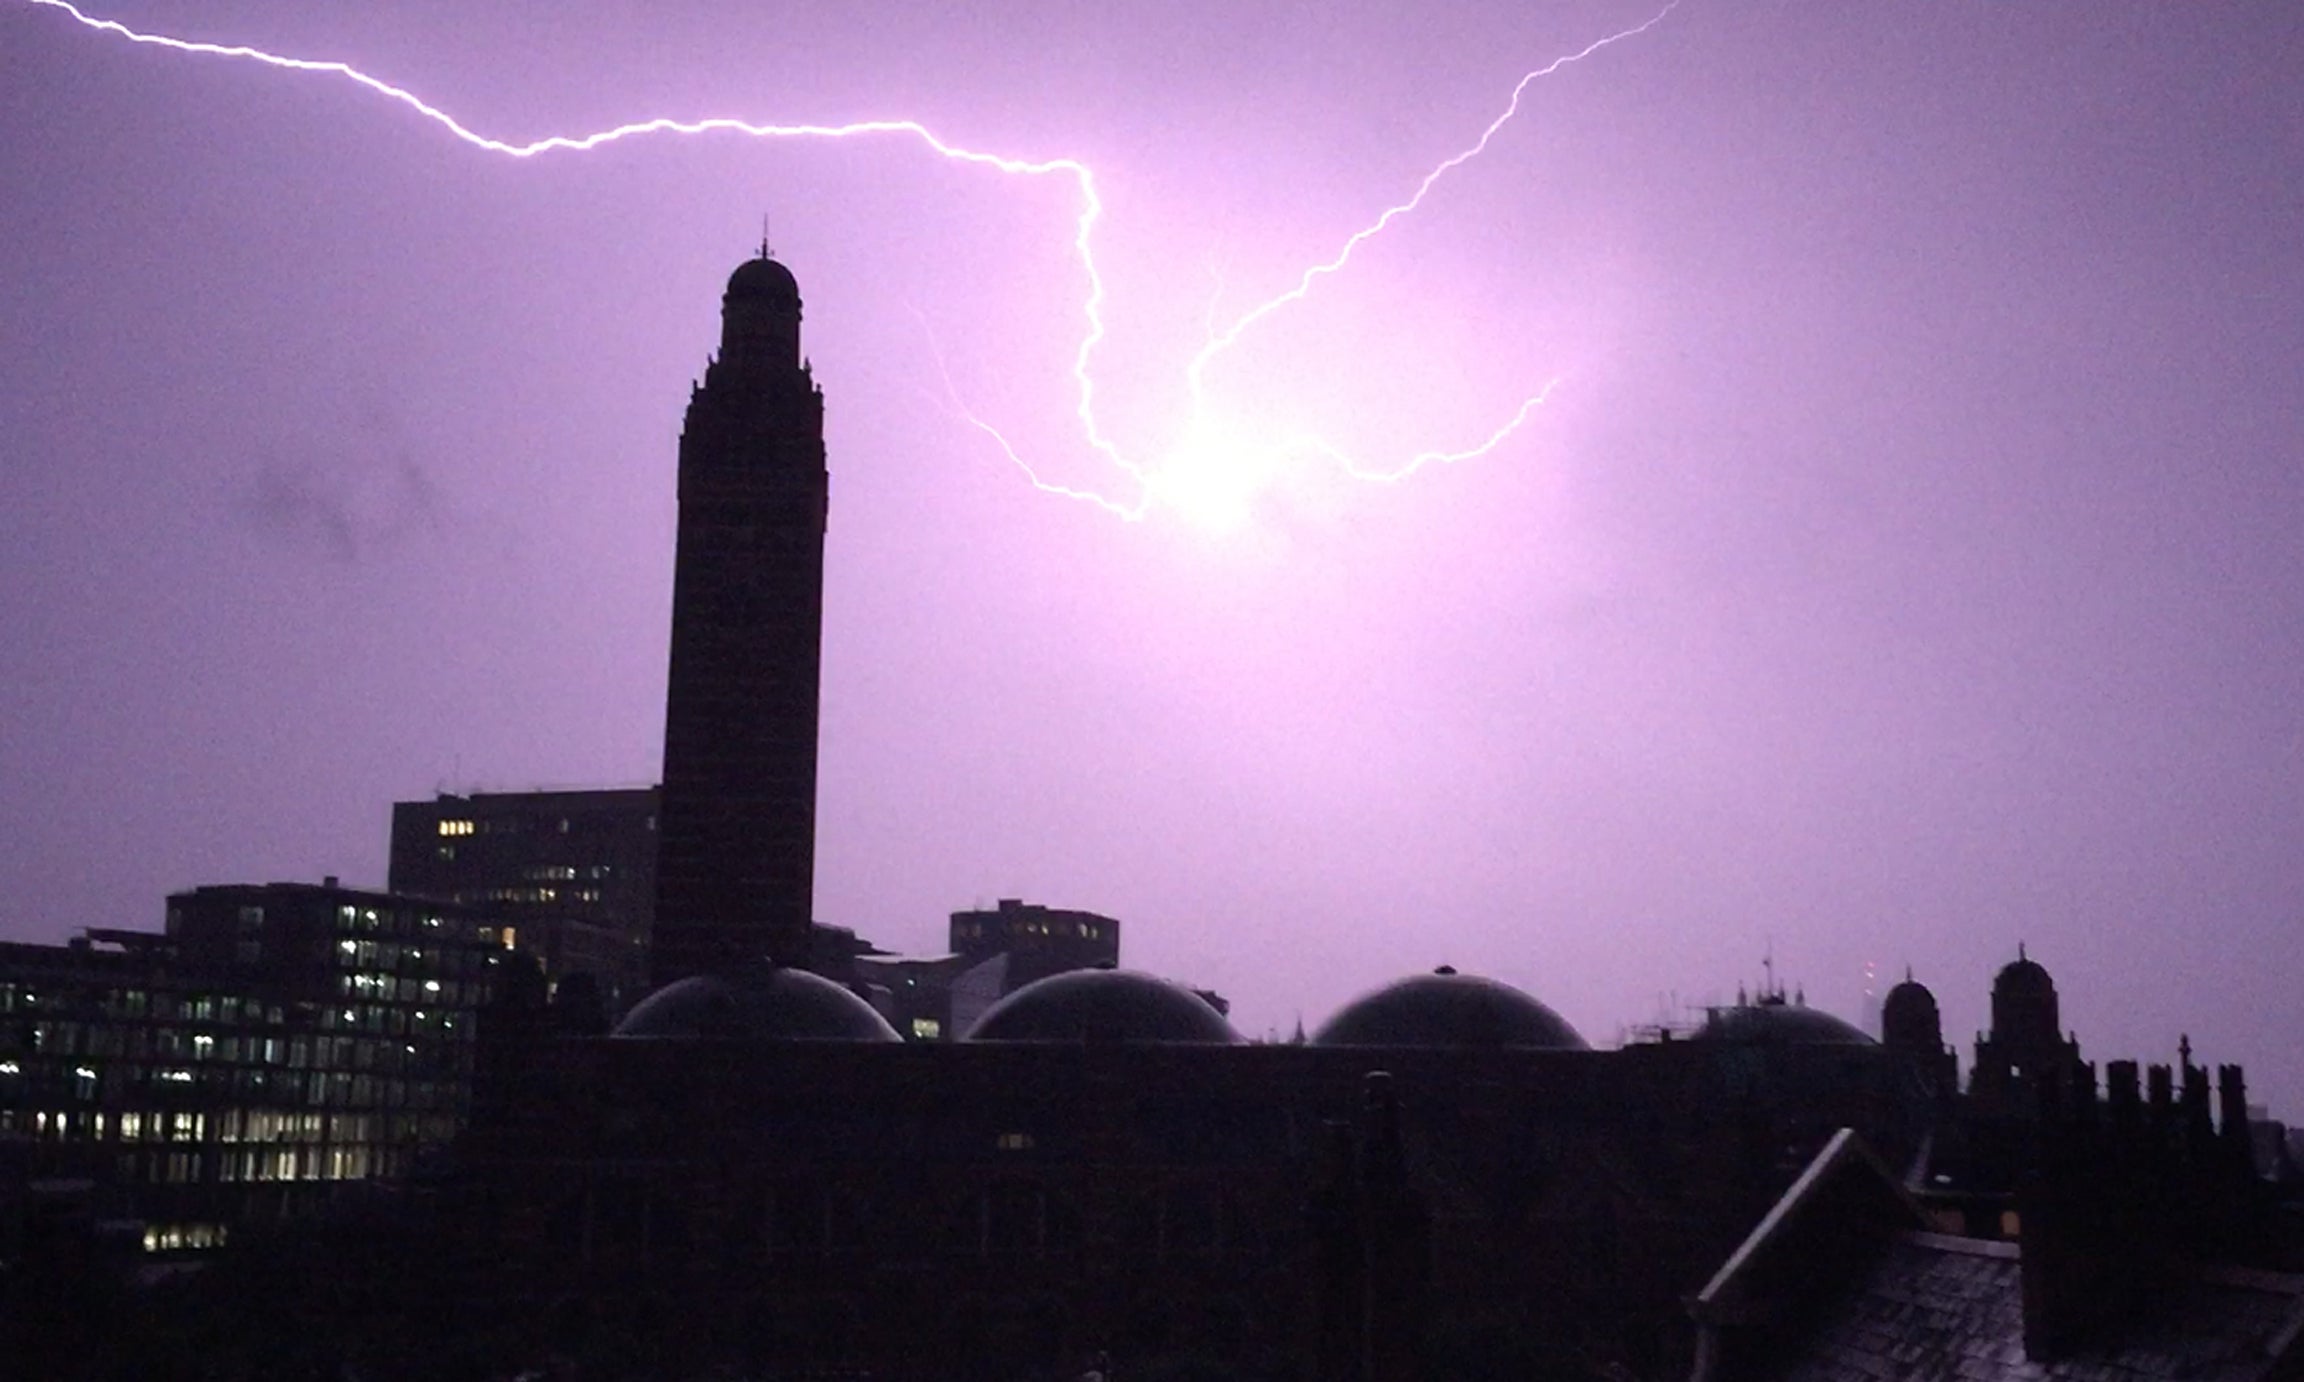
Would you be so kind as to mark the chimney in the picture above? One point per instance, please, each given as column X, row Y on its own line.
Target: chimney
column 2232, row 1100
column 2199, row 1124
column 2122, row 1097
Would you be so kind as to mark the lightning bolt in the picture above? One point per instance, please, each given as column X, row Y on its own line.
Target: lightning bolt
column 1150, row 484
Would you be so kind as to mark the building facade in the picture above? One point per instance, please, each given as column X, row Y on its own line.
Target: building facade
column 570, row 877
column 275, row 1042
column 1038, row 941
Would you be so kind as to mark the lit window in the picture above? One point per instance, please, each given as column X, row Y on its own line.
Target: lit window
column 926, row 1029
column 1015, row 1142
column 455, row 827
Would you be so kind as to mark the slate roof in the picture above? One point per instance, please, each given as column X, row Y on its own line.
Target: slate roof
column 1938, row 1309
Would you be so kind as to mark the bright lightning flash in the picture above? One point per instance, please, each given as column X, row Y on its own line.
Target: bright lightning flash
column 1214, row 476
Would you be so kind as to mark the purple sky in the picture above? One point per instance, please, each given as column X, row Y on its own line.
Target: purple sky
column 1908, row 562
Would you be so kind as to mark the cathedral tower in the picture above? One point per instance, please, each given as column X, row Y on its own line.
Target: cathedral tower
column 737, row 831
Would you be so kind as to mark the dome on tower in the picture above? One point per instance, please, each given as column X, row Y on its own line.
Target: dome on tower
column 1774, row 1022
column 763, row 279
column 2022, row 976
column 1908, row 1016
column 1448, row 1009
column 1104, row 1004
column 766, row 1003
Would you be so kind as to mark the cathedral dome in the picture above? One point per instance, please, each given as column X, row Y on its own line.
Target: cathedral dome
column 1104, row 1004
column 1774, row 1022
column 763, row 279
column 1448, row 1009
column 758, row 1004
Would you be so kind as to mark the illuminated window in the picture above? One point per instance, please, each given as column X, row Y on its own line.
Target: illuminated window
column 926, row 1028
column 455, row 827
column 1015, row 1142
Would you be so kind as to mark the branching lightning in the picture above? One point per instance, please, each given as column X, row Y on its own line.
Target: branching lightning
column 1208, row 478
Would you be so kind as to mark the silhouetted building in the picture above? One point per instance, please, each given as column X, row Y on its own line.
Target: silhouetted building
column 275, row 1042
column 737, row 833
column 1912, row 1030
column 2026, row 1047
column 1039, row 941
column 570, row 876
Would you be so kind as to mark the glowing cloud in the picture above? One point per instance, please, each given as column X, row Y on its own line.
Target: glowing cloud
column 1214, row 476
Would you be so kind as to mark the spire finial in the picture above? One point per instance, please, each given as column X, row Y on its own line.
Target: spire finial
column 2020, row 950
column 765, row 251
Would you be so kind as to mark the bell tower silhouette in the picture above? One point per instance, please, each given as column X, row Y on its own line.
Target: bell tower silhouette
column 736, row 843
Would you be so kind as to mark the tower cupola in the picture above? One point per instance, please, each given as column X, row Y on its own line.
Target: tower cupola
column 760, row 316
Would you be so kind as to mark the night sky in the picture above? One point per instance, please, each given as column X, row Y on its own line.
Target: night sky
column 1906, row 562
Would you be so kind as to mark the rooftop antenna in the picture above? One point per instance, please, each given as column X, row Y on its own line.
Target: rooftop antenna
column 765, row 252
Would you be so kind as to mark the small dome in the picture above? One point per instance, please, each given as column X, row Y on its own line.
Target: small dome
column 1908, row 1001
column 2022, row 976
column 1104, row 1004
column 763, row 278
column 1908, row 1016
column 1448, row 1009
column 1774, row 1022
column 762, row 1004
